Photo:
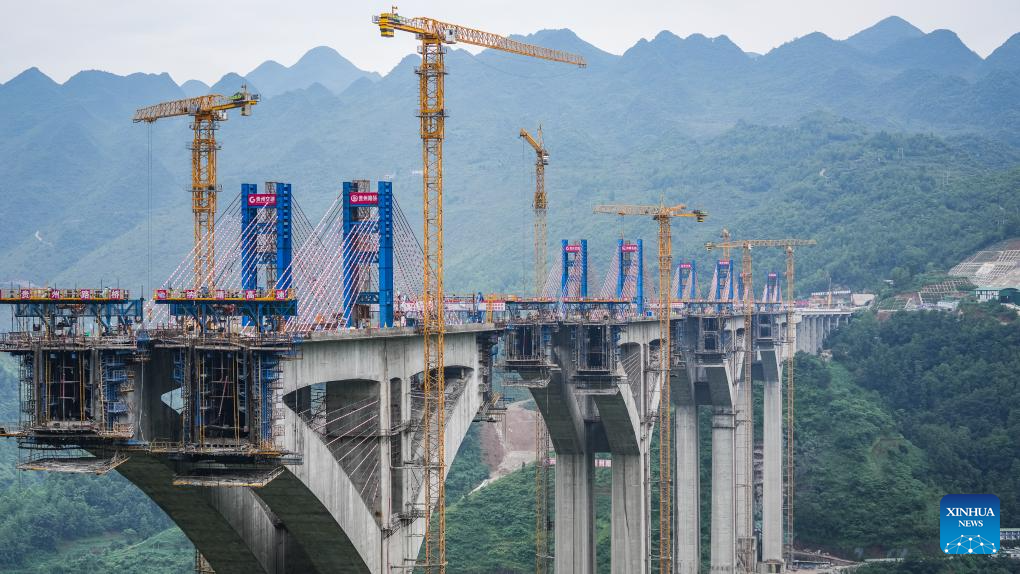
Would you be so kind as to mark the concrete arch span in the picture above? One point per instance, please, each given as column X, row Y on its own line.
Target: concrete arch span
column 319, row 516
column 354, row 415
column 231, row 527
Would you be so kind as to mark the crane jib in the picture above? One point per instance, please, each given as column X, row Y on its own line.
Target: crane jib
column 448, row 33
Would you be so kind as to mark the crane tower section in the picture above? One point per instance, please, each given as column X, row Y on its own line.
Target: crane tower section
column 206, row 112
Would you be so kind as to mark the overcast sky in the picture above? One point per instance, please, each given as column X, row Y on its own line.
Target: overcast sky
column 205, row 39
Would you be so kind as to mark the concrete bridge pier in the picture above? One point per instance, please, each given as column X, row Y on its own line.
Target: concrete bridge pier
column 723, row 544
column 687, row 486
column 706, row 370
column 743, row 473
column 814, row 325
column 721, row 370
column 619, row 415
column 575, row 513
column 591, row 387
column 820, row 332
column 628, row 542
column 574, row 527
column 772, row 463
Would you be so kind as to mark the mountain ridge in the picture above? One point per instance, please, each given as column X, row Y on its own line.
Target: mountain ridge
column 893, row 35
column 883, row 34
column 642, row 120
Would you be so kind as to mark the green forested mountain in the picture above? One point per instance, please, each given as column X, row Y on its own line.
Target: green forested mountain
column 953, row 385
column 63, row 523
column 814, row 137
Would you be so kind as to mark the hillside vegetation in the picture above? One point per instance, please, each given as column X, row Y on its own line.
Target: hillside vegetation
column 908, row 410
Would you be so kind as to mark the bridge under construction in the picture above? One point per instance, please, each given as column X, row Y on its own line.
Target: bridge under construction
column 292, row 394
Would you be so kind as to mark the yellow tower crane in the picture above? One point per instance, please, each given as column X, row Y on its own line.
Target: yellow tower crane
column 663, row 215
column 791, row 351
column 539, row 204
column 207, row 112
column 433, row 34
column 746, row 552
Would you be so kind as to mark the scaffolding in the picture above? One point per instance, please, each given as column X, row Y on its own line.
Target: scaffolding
column 202, row 565
column 255, row 477
column 49, row 458
column 117, row 382
column 230, row 394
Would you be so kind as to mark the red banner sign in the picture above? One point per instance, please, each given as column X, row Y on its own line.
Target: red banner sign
column 25, row 293
column 250, row 295
column 281, row 294
column 161, row 294
column 54, row 293
column 685, row 266
column 221, row 294
column 85, row 294
column 116, row 294
column 572, row 249
column 630, row 247
column 261, row 200
column 190, row 294
column 364, row 198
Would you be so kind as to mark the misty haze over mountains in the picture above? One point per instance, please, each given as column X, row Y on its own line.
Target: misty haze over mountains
column 663, row 117
column 884, row 51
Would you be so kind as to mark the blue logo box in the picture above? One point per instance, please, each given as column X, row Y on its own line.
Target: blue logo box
column 969, row 524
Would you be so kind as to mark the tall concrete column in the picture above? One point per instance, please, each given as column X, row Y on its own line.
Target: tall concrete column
column 812, row 330
column 772, row 469
column 628, row 545
column 575, row 514
column 800, row 335
column 688, row 491
column 646, row 446
column 723, row 551
column 807, row 334
column 385, row 476
column 819, row 335
column 743, row 475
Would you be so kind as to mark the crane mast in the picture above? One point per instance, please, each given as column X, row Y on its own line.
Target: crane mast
column 663, row 215
column 539, row 204
column 206, row 112
column 433, row 34
column 746, row 551
column 792, row 346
